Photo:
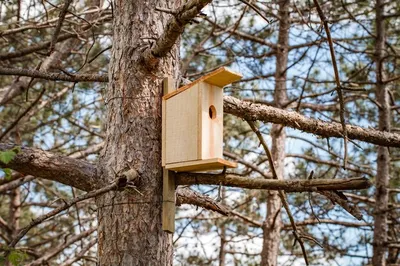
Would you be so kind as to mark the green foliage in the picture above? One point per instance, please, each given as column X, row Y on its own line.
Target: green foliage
column 8, row 156
column 7, row 173
column 15, row 257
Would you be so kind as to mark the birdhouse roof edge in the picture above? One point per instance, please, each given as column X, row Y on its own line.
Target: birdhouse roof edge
column 223, row 75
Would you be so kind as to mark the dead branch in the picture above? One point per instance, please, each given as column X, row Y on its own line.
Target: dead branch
column 231, row 180
column 60, row 21
column 15, row 122
column 81, row 253
column 53, row 252
column 63, row 207
column 188, row 196
column 44, row 45
column 53, row 76
column 16, row 183
column 337, row 79
column 344, row 203
column 282, row 194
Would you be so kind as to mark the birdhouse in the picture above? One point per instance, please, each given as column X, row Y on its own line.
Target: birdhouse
column 193, row 124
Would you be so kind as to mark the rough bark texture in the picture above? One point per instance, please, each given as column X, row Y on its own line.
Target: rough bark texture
column 14, row 215
column 383, row 158
column 68, row 171
column 129, row 230
column 188, row 196
column 299, row 185
column 273, row 223
column 268, row 114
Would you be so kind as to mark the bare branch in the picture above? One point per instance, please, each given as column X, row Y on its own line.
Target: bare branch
column 15, row 122
column 282, row 194
column 298, row 185
column 295, row 120
column 337, row 79
column 44, row 45
column 350, row 208
column 53, row 76
column 63, row 207
column 63, row 169
column 16, row 183
column 188, row 196
column 60, row 21
column 53, row 252
column 81, row 253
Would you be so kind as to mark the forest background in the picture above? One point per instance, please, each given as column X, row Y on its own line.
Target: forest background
column 80, row 101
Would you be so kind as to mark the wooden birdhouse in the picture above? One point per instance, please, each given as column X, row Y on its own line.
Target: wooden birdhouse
column 193, row 124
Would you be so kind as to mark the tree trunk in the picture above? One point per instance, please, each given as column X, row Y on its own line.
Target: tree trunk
column 383, row 159
column 222, row 227
column 14, row 215
column 273, row 223
column 130, row 231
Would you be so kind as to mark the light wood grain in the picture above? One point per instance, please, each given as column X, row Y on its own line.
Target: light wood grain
column 182, row 123
column 211, row 128
column 220, row 77
column 201, row 165
column 168, row 204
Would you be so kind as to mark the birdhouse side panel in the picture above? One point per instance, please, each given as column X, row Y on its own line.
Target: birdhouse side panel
column 182, row 125
column 211, row 121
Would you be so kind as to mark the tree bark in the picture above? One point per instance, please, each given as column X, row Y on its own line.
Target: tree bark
column 130, row 231
column 273, row 223
column 14, row 214
column 383, row 157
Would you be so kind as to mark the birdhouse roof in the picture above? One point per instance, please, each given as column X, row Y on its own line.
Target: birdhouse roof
column 220, row 77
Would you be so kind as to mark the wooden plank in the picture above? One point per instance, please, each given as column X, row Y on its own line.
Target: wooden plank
column 212, row 119
column 223, row 78
column 201, row 165
column 168, row 86
column 168, row 204
column 200, row 121
column 163, row 133
column 182, row 123
column 220, row 77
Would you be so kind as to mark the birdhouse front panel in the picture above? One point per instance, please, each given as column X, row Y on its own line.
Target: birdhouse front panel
column 193, row 124
column 211, row 121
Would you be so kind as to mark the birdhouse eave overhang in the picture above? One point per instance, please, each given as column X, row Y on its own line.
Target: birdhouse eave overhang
column 220, row 78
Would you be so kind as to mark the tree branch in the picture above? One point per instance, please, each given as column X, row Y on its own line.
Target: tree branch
column 269, row 114
column 83, row 175
column 173, row 30
column 188, row 196
column 231, row 180
column 53, row 76
column 52, row 253
column 63, row 207
column 16, row 183
column 69, row 171
column 60, row 21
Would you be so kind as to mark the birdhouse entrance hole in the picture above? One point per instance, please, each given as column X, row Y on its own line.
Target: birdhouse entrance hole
column 212, row 112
